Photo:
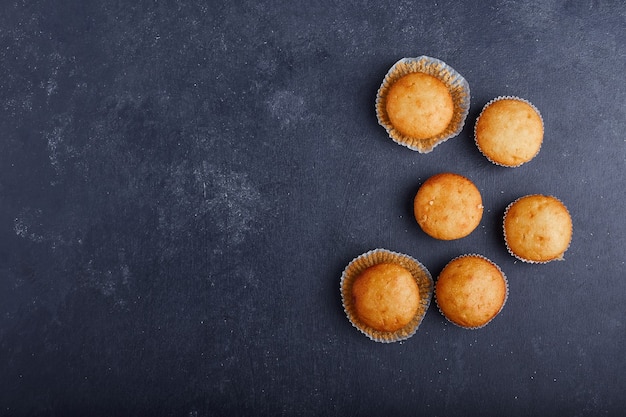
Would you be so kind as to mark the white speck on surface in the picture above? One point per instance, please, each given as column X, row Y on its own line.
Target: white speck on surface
column 51, row 86
column 229, row 197
column 54, row 139
column 288, row 108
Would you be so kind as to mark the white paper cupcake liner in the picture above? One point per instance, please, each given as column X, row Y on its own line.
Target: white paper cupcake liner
column 377, row 256
column 457, row 85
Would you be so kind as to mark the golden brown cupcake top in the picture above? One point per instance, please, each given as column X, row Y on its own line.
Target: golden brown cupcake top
column 426, row 108
column 419, row 105
column 509, row 131
column 470, row 291
column 448, row 206
column 537, row 228
column 386, row 294
column 386, row 297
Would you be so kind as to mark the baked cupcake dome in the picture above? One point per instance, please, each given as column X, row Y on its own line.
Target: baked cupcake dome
column 415, row 112
column 419, row 105
column 537, row 228
column 386, row 297
column 509, row 131
column 470, row 291
column 386, row 294
column 448, row 206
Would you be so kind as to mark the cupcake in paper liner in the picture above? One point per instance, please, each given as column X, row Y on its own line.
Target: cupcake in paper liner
column 537, row 228
column 386, row 294
column 422, row 102
column 471, row 291
column 509, row 131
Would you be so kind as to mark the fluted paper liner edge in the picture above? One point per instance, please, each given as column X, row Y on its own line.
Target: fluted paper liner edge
column 419, row 272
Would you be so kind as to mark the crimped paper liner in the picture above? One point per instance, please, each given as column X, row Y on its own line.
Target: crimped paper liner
column 457, row 85
column 530, row 261
column 481, row 113
column 377, row 256
column 506, row 294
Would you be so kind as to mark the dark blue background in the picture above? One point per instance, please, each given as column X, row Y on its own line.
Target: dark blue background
column 182, row 184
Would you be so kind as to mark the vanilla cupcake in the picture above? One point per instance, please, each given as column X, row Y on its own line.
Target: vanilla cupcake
column 386, row 294
column 422, row 102
column 509, row 131
column 448, row 206
column 537, row 228
column 471, row 291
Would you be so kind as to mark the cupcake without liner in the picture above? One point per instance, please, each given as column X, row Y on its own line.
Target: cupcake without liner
column 471, row 291
column 448, row 206
column 509, row 131
column 537, row 228
column 379, row 279
column 430, row 101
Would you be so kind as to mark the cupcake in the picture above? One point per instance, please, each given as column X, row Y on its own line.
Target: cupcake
column 537, row 228
column 386, row 294
column 470, row 291
column 509, row 131
column 422, row 102
column 448, row 206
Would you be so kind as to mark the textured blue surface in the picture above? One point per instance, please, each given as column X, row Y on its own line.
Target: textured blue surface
column 182, row 183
